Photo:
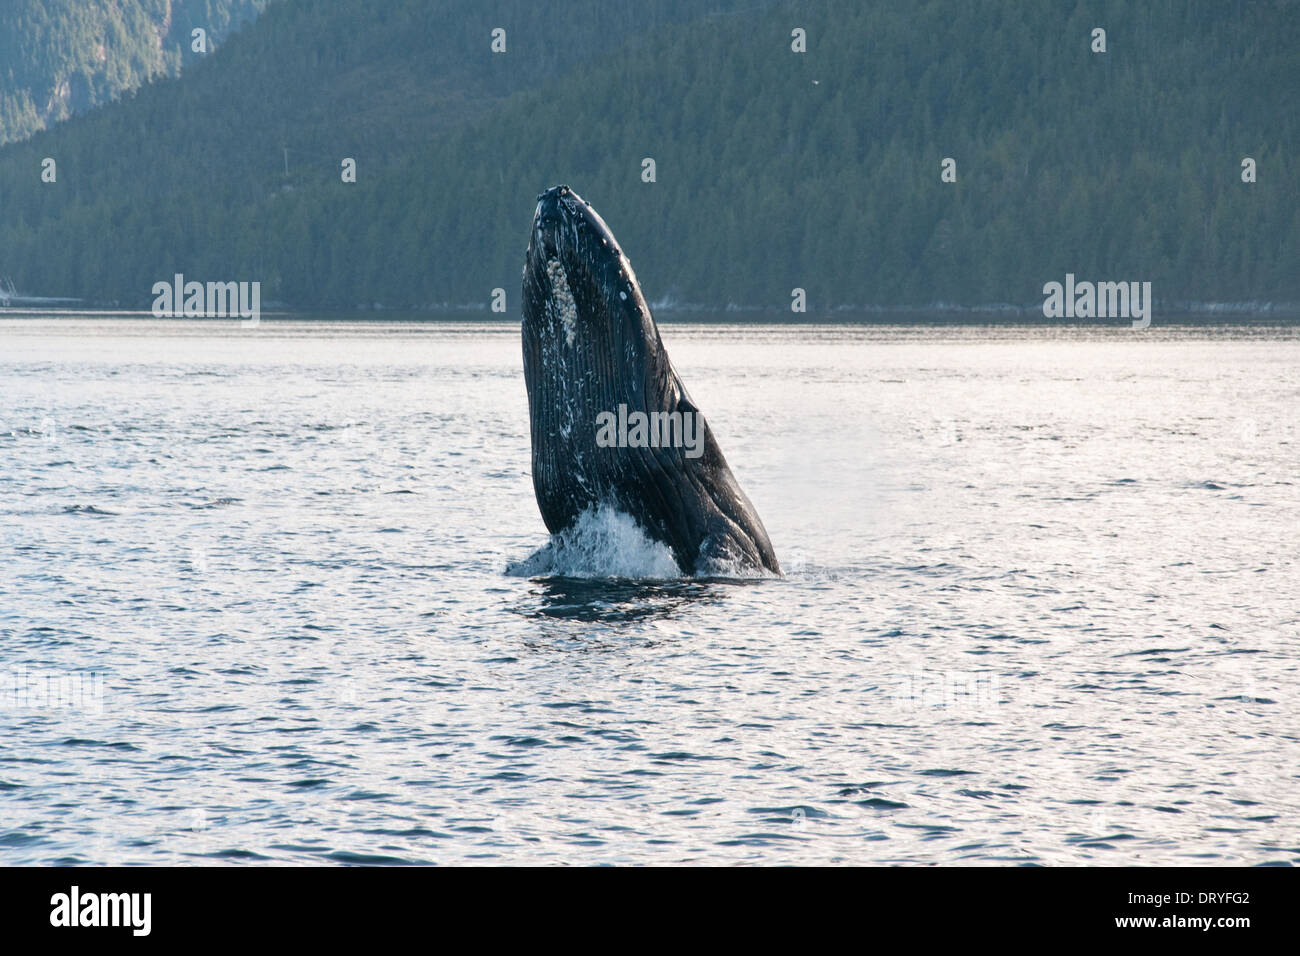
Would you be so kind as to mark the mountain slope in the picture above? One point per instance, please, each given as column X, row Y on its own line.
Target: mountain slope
column 63, row 57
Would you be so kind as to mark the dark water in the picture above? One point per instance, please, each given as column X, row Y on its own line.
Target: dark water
column 1041, row 604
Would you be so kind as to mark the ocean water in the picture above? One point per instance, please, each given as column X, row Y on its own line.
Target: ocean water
column 1041, row 603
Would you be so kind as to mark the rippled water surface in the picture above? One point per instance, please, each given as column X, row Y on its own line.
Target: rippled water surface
column 1042, row 603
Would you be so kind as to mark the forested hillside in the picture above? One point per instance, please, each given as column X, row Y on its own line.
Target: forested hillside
column 62, row 57
column 774, row 169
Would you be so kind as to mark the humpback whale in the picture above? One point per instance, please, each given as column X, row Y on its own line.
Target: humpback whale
column 611, row 423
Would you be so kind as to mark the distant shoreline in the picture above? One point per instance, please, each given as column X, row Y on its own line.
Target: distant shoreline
column 938, row 312
column 1006, row 317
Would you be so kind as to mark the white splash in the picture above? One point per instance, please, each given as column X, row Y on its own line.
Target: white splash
column 563, row 299
column 603, row 543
